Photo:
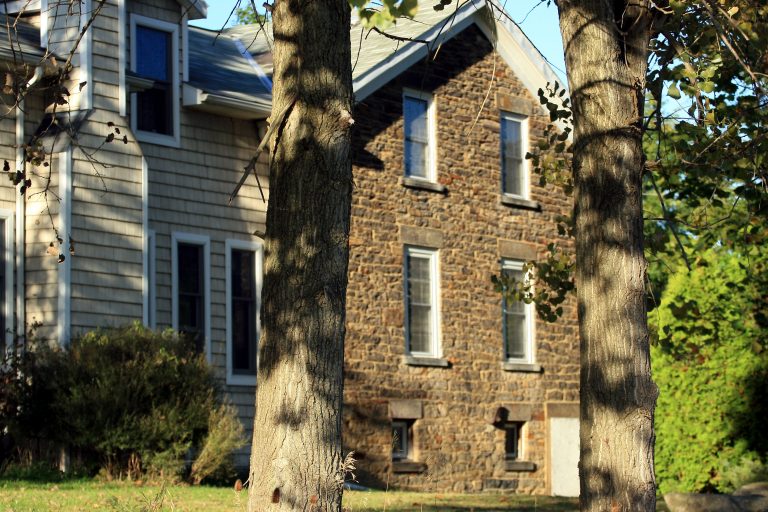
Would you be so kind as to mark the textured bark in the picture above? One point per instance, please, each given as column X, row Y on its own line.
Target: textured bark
column 296, row 461
column 606, row 44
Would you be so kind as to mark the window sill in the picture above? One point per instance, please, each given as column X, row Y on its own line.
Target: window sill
column 160, row 139
column 521, row 367
column 420, row 184
column 519, row 465
column 426, row 361
column 408, row 466
column 519, row 202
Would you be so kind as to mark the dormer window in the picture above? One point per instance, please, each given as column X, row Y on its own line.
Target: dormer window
column 154, row 80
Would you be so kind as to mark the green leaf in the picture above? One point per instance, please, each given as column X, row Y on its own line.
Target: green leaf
column 673, row 91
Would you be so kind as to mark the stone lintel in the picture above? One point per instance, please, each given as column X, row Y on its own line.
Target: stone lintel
column 562, row 410
column 406, row 409
column 514, row 104
column 517, row 250
column 425, row 237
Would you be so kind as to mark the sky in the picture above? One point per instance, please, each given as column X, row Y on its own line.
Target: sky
column 538, row 21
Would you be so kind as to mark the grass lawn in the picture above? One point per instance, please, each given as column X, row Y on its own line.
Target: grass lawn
column 87, row 495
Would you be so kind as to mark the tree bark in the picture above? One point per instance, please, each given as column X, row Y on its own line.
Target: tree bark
column 606, row 48
column 297, row 460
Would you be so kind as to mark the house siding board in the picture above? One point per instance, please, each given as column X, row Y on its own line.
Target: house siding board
column 462, row 450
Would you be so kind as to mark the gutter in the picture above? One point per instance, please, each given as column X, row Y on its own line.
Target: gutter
column 253, row 108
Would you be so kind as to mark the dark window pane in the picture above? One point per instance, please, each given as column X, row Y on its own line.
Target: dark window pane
column 511, row 441
column 244, row 311
column 153, row 109
column 419, row 298
column 191, row 292
column 153, row 53
column 514, row 320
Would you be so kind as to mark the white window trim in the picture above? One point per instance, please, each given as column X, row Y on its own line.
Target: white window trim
column 157, row 138
column 431, row 133
column 507, row 264
column 434, row 268
column 258, row 249
column 523, row 120
column 205, row 242
column 150, row 280
column 9, row 255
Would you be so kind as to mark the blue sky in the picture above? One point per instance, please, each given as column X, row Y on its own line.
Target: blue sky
column 537, row 20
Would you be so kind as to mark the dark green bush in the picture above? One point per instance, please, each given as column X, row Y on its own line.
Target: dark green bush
column 712, row 378
column 130, row 401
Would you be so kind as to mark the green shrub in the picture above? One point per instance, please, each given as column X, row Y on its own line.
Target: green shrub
column 132, row 401
column 712, row 400
column 225, row 435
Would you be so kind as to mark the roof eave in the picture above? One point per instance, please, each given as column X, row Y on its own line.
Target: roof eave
column 225, row 105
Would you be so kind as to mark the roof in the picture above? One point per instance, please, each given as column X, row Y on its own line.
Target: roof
column 223, row 75
column 378, row 57
column 26, row 41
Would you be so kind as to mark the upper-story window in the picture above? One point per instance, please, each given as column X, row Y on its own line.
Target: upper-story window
column 419, row 121
column 514, row 169
column 421, row 302
column 155, row 80
column 517, row 319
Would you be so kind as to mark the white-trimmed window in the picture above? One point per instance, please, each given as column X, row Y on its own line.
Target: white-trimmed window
column 517, row 319
column 513, row 441
column 190, row 287
column 154, row 80
column 514, row 145
column 420, row 150
column 7, row 295
column 422, row 308
column 244, row 274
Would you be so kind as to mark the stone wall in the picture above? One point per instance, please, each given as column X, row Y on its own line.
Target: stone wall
column 457, row 447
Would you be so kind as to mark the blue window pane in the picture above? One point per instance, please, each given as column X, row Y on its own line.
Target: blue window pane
column 152, row 49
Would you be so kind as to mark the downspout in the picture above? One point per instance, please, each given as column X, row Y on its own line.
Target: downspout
column 21, row 209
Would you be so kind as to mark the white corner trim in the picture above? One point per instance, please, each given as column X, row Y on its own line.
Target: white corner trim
column 121, row 59
column 205, row 242
column 146, row 249
column 86, row 57
column 44, row 31
column 64, row 319
column 173, row 140
column 184, row 45
column 257, row 247
column 9, row 254
column 21, row 207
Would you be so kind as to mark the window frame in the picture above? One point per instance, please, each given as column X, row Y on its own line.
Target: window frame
column 257, row 248
column 516, row 427
column 524, row 147
column 410, row 251
column 431, row 170
column 204, row 242
column 406, row 427
column 528, row 358
column 174, row 139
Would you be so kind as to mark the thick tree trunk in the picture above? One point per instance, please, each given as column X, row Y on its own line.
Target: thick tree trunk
column 296, row 461
column 606, row 46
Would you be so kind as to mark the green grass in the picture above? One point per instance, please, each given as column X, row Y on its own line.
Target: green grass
column 92, row 496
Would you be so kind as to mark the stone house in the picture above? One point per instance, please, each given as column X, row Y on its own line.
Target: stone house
column 447, row 387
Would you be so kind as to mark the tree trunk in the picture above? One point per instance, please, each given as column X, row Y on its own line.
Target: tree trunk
column 606, row 47
column 296, row 461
